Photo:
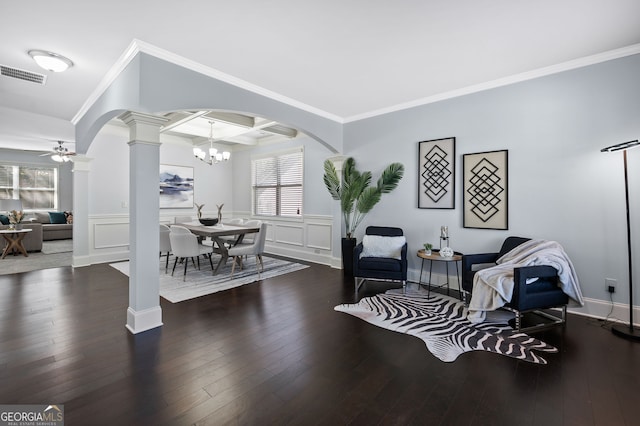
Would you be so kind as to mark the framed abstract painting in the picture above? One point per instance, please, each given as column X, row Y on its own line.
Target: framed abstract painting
column 176, row 187
column 486, row 200
column 436, row 174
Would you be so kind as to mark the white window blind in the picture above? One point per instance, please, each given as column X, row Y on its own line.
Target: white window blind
column 277, row 184
column 35, row 186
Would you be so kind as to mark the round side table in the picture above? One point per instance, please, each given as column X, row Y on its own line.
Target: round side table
column 434, row 256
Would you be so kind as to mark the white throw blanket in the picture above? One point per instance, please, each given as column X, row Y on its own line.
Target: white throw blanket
column 493, row 287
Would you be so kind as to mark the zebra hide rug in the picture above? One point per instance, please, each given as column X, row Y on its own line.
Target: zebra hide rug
column 442, row 323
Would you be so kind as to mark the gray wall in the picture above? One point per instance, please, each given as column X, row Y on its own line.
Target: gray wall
column 65, row 178
column 560, row 186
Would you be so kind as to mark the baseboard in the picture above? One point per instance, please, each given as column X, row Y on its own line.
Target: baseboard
column 144, row 320
column 601, row 309
column 299, row 254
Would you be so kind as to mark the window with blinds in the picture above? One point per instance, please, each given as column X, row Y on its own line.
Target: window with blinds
column 35, row 186
column 277, row 185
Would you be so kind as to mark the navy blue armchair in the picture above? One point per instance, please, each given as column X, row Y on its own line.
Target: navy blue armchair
column 380, row 268
column 543, row 293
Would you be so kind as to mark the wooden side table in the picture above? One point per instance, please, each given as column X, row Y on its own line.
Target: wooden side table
column 435, row 257
column 14, row 238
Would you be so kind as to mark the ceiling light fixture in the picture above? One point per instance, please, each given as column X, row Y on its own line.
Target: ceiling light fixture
column 50, row 61
column 214, row 155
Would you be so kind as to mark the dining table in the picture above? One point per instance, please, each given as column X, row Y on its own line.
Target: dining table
column 215, row 232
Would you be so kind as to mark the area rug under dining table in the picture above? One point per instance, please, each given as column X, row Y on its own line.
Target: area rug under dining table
column 201, row 282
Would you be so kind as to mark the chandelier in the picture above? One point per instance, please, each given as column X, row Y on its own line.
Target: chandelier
column 214, row 155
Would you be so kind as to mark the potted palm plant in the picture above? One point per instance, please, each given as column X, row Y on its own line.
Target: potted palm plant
column 357, row 197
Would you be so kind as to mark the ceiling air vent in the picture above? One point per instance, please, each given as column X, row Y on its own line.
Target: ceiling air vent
column 33, row 77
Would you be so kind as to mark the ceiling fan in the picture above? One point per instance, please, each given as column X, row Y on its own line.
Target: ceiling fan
column 59, row 153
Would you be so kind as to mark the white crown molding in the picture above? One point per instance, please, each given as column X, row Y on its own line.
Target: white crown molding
column 517, row 78
column 138, row 46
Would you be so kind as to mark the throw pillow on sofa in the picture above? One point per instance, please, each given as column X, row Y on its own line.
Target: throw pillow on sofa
column 57, row 218
column 42, row 217
column 4, row 219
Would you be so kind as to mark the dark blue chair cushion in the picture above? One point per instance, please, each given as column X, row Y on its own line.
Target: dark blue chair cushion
column 379, row 264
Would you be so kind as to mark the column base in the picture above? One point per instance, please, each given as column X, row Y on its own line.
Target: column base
column 139, row 321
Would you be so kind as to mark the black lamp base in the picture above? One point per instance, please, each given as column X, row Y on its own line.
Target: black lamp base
column 626, row 332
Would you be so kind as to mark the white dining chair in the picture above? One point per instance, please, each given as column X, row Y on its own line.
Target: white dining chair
column 256, row 249
column 165, row 244
column 230, row 240
column 185, row 246
column 182, row 219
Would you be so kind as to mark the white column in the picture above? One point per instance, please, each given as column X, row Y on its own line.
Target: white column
column 338, row 223
column 144, row 312
column 81, row 211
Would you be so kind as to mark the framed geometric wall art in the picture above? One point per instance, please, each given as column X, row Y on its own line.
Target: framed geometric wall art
column 436, row 174
column 486, row 199
column 176, row 187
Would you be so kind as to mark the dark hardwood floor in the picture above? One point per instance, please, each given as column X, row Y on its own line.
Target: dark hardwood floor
column 276, row 352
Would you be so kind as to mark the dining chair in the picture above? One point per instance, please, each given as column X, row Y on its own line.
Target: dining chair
column 256, row 249
column 248, row 239
column 229, row 240
column 182, row 219
column 185, row 246
column 165, row 244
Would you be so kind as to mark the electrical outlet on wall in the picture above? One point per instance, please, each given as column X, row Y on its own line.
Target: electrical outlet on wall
column 610, row 285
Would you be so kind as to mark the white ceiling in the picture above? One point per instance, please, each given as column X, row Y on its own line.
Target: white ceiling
column 345, row 58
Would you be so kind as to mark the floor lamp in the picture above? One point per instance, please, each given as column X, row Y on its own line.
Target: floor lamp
column 628, row 332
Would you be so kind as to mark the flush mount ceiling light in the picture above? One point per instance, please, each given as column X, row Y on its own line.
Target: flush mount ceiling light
column 214, row 155
column 50, row 61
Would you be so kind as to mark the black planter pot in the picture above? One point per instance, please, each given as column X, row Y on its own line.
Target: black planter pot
column 348, row 244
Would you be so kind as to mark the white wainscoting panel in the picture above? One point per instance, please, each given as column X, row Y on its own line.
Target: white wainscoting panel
column 110, row 235
column 319, row 235
column 307, row 239
column 286, row 233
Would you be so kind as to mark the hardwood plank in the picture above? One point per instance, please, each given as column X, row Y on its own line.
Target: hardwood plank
column 275, row 352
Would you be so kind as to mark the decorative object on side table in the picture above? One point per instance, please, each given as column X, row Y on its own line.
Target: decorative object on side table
column 444, row 236
column 427, row 248
column 621, row 330
column 446, row 252
column 12, row 207
column 357, row 197
column 15, row 218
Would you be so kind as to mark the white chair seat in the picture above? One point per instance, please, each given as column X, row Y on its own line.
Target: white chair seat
column 230, row 240
column 257, row 248
column 185, row 246
column 165, row 244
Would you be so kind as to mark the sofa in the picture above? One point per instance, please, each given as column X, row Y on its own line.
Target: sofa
column 55, row 225
column 32, row 241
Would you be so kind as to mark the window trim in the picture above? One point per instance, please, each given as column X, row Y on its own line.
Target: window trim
column 56, row 189
column 275, row 154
